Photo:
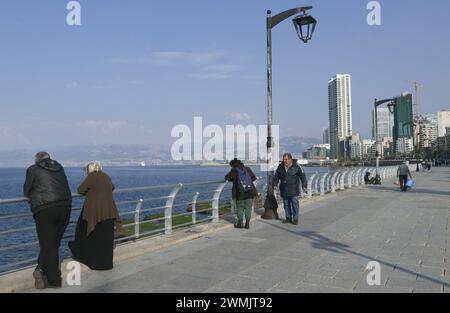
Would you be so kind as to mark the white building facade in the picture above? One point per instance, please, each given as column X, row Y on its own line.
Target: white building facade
column 385, row 124
column 443, row 121
column 340, row 111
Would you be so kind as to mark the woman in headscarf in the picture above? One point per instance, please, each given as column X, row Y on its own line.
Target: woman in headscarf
column 94, row 235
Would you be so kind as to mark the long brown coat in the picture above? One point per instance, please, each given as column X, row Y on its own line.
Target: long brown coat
column 99, row 203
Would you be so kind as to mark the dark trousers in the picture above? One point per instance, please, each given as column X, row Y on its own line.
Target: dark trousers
column 403, row 179
column 51, row 224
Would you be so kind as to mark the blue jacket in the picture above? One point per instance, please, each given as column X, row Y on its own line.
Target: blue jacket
column 290, row 180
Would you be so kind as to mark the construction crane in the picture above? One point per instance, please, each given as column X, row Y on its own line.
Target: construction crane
column 416, row 86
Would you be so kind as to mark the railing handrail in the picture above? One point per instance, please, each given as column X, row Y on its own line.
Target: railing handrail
column 123, row 190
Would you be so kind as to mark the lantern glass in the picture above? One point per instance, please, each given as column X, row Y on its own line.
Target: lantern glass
column 305, row 26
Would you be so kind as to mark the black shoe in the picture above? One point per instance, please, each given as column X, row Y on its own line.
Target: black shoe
column 56, row 286
column 247, row 224
column 40, row 280
column 238, row 224
column 286, row 221
column 294, row 222
column 277, row 217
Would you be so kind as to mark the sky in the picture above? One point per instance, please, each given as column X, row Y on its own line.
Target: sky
column 135, row 69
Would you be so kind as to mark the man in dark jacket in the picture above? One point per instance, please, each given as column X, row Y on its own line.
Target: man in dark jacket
column 242, row 194
column 289, row 173
column 50, row 200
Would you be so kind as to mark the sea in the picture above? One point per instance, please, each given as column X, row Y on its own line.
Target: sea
column 11, row 184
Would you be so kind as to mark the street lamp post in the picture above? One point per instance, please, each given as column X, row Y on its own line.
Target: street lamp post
column 419, row 149
column 305, row 26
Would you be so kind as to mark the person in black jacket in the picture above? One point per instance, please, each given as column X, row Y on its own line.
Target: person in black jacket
column 50, row 199
column 243, row 196
column 289, row 173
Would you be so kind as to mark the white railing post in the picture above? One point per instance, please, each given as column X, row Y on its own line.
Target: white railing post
column 168, row 209
column 349, row 178
column 342, row 180
column 354, row 174
column 322, row 183
column 310, row 182
column 334, row 181
column 358, row 177
column 328, row 182
column 316, row 185
column 215, row 202
column 137, row 214
column 194, row 208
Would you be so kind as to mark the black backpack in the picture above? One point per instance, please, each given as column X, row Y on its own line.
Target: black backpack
column 244, row 181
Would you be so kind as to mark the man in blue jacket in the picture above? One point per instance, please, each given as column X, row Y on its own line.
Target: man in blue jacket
column 289, row 173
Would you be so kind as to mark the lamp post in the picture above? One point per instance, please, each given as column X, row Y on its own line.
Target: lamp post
column 418, row 151
column 305, row 25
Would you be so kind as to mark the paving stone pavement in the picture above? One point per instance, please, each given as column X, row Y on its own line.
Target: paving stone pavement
column 338, row 235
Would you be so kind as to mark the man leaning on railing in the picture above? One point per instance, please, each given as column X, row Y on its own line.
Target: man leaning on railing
column 48, row 193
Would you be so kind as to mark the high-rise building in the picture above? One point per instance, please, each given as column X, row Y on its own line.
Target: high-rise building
column 447, row 137
column 403, row 122
column 355, row 146
column 340, row 111
column 318, row 152
column 369, row 148
column 326, row 136
column 443, row 121
column 428, row 130
column 385, row 124
column 404, row 145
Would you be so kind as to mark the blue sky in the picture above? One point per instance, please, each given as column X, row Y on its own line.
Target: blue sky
column 135, row 69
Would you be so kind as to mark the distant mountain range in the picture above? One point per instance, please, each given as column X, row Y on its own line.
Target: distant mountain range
column 297, row 145
column 125, row 155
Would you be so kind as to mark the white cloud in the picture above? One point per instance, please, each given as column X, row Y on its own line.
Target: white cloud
column 11, row 138
column 240, row 116
column 169, row 58
column 216, row 71
column 72, row 85
column 203, row 65
column 102, row 125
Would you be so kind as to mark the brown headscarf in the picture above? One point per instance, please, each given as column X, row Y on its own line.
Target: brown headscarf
column 99, row 204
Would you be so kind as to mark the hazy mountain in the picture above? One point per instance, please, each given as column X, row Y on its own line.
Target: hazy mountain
column 124, row 155
column 297, row 145
column 80, row 155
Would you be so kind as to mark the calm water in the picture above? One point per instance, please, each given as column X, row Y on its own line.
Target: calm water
column 11, row 182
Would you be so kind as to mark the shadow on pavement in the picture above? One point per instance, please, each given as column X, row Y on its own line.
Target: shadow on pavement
column 414, row 190
column 324, row 243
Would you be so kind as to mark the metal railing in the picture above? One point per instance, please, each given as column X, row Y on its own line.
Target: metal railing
column 164, row 213
column 145, row 211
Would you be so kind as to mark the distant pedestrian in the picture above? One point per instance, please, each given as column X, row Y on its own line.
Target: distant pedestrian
column 49, row 195
column 243, row 191
column 402, row 174
column 289, row 174
column 94, row 235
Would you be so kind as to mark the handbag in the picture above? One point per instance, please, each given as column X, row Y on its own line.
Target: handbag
column 410, row 183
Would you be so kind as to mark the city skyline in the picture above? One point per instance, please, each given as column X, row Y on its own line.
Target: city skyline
column 129, row 73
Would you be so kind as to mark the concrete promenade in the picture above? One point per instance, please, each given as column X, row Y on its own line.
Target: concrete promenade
column 407, row 233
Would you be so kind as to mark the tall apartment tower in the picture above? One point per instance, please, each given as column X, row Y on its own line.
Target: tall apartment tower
column 326, row 136
column 385, row 124
column 340, row 111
